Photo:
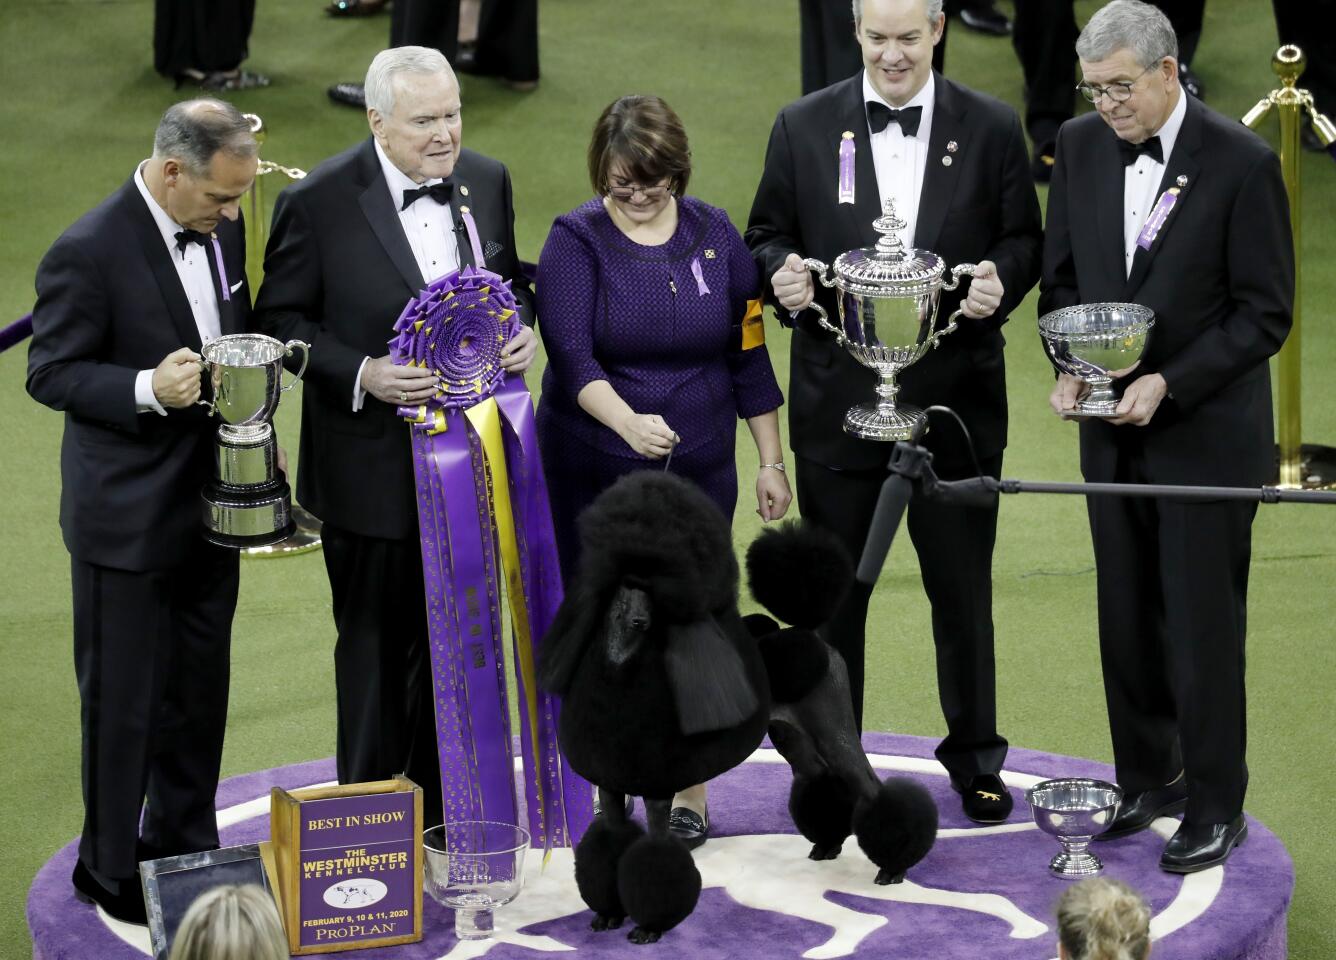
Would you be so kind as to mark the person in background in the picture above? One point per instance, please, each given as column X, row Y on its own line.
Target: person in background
column 654, row 340
column 233, row 922
column 203, row 44
column 1102, row 919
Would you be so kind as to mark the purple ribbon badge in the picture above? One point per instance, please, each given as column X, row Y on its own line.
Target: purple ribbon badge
column 1157, row 218
column 222, row 272
column 846, row 183
column 699, row 274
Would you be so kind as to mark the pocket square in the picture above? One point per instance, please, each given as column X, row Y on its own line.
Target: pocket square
column 491, row 249
column 236, row 286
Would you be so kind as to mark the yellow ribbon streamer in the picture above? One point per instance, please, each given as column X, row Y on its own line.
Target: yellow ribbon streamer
column 485, row 417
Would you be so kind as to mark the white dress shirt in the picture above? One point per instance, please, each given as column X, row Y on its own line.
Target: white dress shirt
column 1141, row 181
column 430, row 230
column 192, row 266
column 900, row 160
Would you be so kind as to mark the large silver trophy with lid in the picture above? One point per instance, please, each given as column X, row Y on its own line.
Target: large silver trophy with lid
column 1097, row 342
column 888, row 316
column 247, row 503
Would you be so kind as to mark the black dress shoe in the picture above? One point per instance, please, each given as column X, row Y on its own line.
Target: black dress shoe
column 986, row 18
column 127, row 904
column 1191, row 82
column 985, row 798
column 349, row 94
column 1198, row 846
column 689, row 826
column 1139, row 810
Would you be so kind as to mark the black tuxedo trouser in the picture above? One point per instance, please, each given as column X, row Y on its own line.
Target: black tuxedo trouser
column 955, row 551
column 151, row 655
column 382, row 664
column 1173, row 588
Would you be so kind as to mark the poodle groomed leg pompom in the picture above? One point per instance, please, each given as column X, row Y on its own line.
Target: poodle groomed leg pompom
column 597, row 857
column 659, row 885
column 896, row 828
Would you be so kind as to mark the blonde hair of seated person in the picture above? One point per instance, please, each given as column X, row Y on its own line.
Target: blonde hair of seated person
column 1101, row 919
column 231, row 923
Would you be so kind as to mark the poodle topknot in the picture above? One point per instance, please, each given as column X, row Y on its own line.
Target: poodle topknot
column 662, row 531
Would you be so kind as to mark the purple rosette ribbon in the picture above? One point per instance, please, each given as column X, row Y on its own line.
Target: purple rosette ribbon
column 487, row 543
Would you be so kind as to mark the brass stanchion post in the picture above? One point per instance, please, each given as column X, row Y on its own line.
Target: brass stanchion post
column 307, row 535
column 1301, row 465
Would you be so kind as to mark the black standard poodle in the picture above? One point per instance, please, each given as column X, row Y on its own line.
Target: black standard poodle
column 662, row 687
column 800, row 574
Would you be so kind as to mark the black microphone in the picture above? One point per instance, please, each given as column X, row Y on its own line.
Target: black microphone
column 891, row 502
column 970, row 492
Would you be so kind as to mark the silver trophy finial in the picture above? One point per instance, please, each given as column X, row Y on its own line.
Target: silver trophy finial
column 890, row 245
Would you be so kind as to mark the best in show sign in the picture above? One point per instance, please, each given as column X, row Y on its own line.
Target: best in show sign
column 349, row 861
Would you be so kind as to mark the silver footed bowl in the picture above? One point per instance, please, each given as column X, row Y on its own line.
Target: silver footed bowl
column 1074, row 810
column 1097, row 342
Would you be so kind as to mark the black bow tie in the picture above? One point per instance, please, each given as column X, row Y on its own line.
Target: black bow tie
column 186, row 237
column 440, row 192
column 1149, row 147
column 879, row 116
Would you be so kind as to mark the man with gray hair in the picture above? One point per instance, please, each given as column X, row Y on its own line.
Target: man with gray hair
column 1161, row 201
column 351, row 244
column 126, row 297
column 955, row 163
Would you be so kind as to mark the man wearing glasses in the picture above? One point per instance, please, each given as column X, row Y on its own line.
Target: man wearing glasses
column 956, row 164
column 1159, row 200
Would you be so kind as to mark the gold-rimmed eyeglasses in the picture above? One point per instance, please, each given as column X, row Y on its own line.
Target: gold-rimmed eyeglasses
column 1119, row 91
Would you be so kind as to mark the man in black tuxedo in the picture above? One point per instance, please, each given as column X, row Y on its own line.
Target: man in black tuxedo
column 1219, row 275
column 125, row 299
column 955, row 162
column 351, row 244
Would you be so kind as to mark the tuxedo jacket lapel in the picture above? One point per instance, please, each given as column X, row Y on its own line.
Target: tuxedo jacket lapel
column 939, row 179
column 163, row 270
column 1109, row 180
column 384, row 221
column 1181, row 163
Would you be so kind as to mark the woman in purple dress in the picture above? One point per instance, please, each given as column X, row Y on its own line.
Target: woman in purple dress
column 653, row 347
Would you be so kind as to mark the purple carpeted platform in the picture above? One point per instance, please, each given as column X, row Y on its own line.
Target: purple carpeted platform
column 982, row 892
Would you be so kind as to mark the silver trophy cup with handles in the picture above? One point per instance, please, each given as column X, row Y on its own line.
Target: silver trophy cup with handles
column 247, row 503
column 888, row 299
column 1097, row 342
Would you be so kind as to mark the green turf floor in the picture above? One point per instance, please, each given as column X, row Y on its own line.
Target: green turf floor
column 78, row 103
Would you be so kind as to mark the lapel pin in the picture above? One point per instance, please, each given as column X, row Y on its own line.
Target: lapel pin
column 847, row 135
column 464, row 191
column 1182, row 181
column 946, row 161
column 709, row 253
column 463, row 209
column 952, row 146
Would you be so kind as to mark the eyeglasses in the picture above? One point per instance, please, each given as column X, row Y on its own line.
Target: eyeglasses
column 625, row 192
column 1119, row 91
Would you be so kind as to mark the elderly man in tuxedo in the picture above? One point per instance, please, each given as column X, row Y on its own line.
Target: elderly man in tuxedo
column 955, row 163
column 350, row 245
column 125, row 299
column 1161, row 201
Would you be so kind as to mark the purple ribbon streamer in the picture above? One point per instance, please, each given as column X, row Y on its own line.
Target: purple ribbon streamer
column 222, row 272
column 472, row 228
column 699, row 274
column 846, row 182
